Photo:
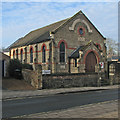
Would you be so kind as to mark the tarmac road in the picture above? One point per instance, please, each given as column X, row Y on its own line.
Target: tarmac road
column 19, row 107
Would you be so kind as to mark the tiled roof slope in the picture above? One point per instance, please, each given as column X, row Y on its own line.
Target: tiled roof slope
column 75, row 53
column 37, row 36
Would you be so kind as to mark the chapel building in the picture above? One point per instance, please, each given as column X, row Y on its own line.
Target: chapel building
column 73, row 45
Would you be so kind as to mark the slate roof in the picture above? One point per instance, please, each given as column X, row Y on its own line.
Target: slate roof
column 75, row 53
column 37, row 36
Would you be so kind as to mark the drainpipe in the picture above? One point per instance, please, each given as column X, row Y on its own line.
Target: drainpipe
column 69, row 65
column 53, row 61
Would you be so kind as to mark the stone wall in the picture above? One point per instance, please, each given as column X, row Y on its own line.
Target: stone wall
column 70, row 80
column 114, row 77
column 33, row 77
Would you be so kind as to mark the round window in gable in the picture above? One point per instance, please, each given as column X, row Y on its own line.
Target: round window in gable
column 81, row 31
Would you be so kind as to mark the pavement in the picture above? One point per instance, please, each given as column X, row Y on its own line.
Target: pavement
column 108, row 109
column 10, row 94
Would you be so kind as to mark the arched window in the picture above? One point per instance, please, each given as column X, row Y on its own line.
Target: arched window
column 13, row 54
column 98, row 46
column 31, row 55
column 21, row 55
column 17, row 54
column 36, row 60
column 25, row 55
column 75, row 62
column 62, row 52
column 81, row 31
column 43, row 55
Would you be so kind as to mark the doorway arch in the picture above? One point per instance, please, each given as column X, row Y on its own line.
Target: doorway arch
column 90, row 62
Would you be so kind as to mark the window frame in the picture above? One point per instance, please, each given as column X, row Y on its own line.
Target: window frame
column 75, row 62
column 31, row 55
column 21, row 55
column 36, row 49
column 79, row 31
column 25, row 54
column 14, row 54
column 43, row 54
column 62, row 53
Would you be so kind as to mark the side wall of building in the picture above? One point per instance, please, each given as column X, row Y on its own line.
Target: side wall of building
column 37, row 54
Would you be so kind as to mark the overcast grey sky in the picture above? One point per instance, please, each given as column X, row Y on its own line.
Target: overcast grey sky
column 19, row 18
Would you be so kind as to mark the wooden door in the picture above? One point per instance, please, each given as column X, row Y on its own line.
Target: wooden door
column 90, row 62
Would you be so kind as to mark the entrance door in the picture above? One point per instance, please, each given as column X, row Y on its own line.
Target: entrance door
column 90, row 62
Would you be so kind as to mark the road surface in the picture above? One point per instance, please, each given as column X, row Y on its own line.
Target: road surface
column 19, row 107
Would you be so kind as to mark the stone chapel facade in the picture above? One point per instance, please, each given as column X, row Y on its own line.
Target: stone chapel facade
column 73, row 45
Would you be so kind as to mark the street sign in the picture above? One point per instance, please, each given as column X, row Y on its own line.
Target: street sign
column 101, row 64
column 46, row 71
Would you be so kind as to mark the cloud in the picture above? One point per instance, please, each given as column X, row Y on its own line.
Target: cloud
column 19, row 18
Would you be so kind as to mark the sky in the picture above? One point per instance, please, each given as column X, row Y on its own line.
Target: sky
column 19, row 18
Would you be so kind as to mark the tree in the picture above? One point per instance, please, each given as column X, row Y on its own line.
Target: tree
column 112, row 47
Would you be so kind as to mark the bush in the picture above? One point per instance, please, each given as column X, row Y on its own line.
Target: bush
column 27, row 66
column 15, row 68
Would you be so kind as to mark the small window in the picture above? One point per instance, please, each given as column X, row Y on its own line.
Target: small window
column 75, row 62
column 13, row 54
column 81, row 31
column 31, row 55
column 98, row 46
column 62, row 52
column 36, row 53
column 43, row 55
column 21, row 55
column 25, row 55
column 17, row 54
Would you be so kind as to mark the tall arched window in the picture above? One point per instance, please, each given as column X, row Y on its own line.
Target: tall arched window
column 13, row 54
column 17, row 54
column 43, row 55
column 36, row 53
column 62, row 52
column 31, row 55
column 21, row 55
column 25, row 55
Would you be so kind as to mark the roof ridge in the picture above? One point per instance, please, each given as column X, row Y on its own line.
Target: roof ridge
column 45, row 26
